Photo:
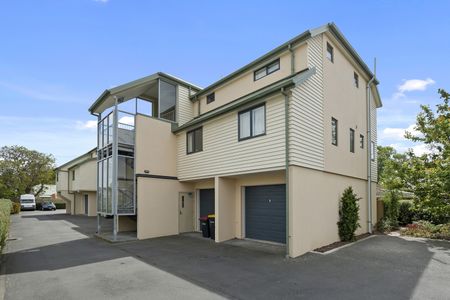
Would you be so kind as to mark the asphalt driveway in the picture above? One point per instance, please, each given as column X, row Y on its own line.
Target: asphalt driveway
column 55, row 257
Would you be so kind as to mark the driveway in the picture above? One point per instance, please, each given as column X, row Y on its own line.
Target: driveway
column 55, row 257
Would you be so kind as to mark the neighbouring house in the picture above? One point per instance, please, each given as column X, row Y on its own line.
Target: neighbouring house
column 76, row 184
column 48, row 193
column 268, row 149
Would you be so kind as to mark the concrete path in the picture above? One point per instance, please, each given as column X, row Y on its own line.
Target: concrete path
column 55, row 258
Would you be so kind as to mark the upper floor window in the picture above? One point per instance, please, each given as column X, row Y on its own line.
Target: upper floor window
column 352, row 140
column 252, row 122
column 356, row 79
column 330, row 52
column 194, row 140
column 267, row 69
column 372, row 151
column 210, row 98
column 334, row 131
column 361, row 141
column 73, row 174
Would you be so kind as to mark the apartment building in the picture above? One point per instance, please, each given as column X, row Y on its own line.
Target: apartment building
column 268, row 149
column 76, row 184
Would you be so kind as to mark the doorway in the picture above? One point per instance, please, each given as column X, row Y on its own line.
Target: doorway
column 186, row 212
column 86, row 204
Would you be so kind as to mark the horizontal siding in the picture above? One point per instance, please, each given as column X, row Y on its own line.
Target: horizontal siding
column 306, row 114
column 185, row 106
column 373, row 116
column 224, row 154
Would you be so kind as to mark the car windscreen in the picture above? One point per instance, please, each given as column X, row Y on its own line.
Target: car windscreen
column 26, row 201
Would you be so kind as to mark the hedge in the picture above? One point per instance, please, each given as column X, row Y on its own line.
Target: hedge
column 5, row 211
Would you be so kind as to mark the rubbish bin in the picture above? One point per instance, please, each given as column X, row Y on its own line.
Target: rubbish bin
column 204, row 225
column 212, row 226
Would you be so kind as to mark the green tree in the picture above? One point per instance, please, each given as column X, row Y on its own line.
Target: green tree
column 429, row 174
column 392, row 169
column 21, row 169
column 348, row 215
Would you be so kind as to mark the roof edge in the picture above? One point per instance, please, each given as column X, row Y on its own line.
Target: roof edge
column 75, row 159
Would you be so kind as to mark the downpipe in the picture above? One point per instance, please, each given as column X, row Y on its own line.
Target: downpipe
column 369, row 149
column 286, row 125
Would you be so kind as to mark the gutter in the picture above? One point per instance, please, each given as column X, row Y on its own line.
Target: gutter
column 369, row 150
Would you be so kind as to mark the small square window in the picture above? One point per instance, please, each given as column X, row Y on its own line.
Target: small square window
column 361, row 141
column 330, row 52
column 334, row 131
column 73, row 174
column 356, row 79
column 210, row 98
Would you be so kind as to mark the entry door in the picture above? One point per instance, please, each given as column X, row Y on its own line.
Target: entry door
column 186, row 212
column 86, row 204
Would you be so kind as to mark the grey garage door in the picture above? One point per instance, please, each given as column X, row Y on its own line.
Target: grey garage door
column 207, row 203
column 265, row 213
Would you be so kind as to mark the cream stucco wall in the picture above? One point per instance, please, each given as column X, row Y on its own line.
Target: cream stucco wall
column 225, row 208
column 157, row 202
column 79, row 207
column 85, row 177
column 346, row 103
column 155, row 147
column 314, row 208
column 245, row 84
column 126, row 223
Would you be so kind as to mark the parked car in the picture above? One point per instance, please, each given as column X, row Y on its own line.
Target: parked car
column 48, row 206
column 27, row 202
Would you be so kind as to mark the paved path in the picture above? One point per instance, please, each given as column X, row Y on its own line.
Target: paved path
column 55, row 258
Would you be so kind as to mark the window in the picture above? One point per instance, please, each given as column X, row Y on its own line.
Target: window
column 210, row 98
column 361, row 141
column 352, row 140
column 252, row 122
column 267, row 69
column 194, row 139
column 73, row 174
column 356, row 79
column 330, row 53
column 334, row 131
column 372, row 151
column 57, row 176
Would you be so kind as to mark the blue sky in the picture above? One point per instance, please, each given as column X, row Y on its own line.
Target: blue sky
column 57, row 56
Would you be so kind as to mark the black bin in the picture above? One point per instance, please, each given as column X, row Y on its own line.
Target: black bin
column 204, row 225
column 212, row 226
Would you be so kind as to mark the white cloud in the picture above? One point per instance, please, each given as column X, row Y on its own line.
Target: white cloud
column 86, row 124
column 418, row 149
column 397, row 134
column 415, row 85
column 127, row 120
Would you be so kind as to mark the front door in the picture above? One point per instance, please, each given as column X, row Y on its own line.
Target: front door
column 186, row 212
column 86, row 204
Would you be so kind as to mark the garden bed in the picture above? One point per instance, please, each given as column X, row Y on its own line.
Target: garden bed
column 340, row 243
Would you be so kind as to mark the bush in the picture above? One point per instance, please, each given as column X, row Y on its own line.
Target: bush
column 5, row 211
column 348, row 215
column 391, row 207
column 60, row 205
column 15, row 208
column 427, row 229
column 385, row 225
column 406, row 212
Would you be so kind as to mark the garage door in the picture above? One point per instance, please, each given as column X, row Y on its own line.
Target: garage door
column 265, row 213
column 207, row 202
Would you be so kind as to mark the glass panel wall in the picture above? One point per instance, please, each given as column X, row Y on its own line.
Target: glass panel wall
column 125, row 185
column 167, row 100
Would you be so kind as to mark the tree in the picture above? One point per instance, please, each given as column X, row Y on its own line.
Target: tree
column 429, row 174
column 348, row 215
column 21, row 169
column 392, row 169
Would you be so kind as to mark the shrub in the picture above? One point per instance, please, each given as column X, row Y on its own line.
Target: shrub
column 391, row 208
column 348, row 215
column 427, row 229
column 15, row 208
column 60, row 205
column 385, row 225
column 5, row 211
column 406, row 212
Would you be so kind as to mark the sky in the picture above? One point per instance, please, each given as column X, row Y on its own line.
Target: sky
column 57, row 57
